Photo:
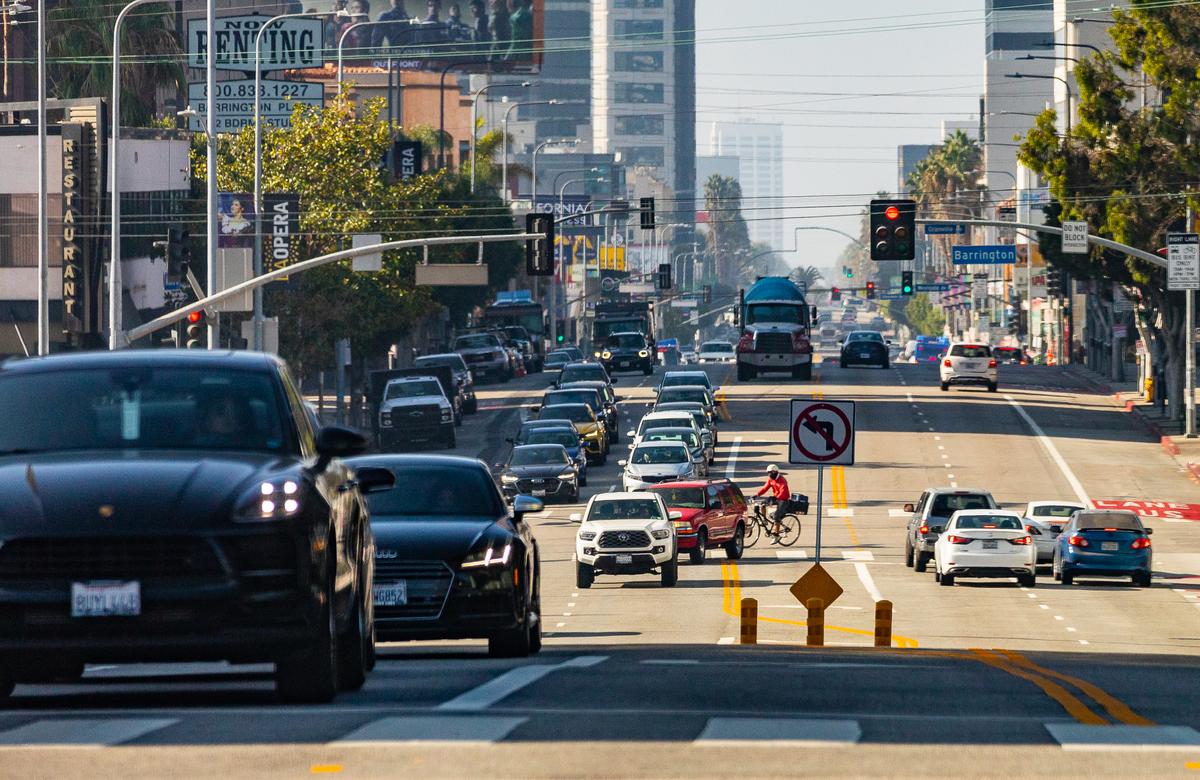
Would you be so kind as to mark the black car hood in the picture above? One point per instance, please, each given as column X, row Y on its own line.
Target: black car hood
column 99, row 492
column 624, row 351
column 538, row 472
column 435, row 538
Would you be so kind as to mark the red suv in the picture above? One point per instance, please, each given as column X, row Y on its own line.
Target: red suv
column 713, row 515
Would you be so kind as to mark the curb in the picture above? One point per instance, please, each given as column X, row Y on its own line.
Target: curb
column 1194, row 470
column 1168, row 445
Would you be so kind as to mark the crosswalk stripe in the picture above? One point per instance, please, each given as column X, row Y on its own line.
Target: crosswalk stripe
column 858, row 555
column 1080, row 736
column 492, row 691
column 898, row 513
column 790, row 732
column 842, row 512
column 480, row 729
column 82, row 732
column 791, row 555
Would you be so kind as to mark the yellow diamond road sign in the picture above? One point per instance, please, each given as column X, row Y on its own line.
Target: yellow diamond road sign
column 816, row 584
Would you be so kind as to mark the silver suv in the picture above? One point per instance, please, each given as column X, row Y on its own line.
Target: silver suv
column 929, row 518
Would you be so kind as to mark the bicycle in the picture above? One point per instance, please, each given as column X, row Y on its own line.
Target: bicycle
column 761, row 525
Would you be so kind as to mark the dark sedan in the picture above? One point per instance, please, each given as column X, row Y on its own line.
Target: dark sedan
column 540, row 470
column 179, row 506
column 864, row 347
column 452, row 561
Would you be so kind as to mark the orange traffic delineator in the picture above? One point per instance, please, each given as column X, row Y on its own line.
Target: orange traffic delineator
column 816, row 622
column 883, row 623
column 749, row 621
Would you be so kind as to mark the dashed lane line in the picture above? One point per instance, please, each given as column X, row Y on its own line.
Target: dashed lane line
column 492, row 691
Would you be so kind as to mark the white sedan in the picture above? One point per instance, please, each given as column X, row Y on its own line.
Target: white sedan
column 653, row 462
column 717, row 352
column 1045, row 521
column 985, row 543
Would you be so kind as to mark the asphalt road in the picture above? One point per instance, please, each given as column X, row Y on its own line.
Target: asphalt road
column 984, row 679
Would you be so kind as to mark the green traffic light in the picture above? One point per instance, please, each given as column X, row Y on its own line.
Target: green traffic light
column 561, row 338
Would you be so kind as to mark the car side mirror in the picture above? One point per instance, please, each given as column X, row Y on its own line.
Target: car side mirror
column 622, row 463
column 576, row 517
column 612, row 380
column 631, row 433
column 536, row 407
column 1149, row 532
column 334, row 441
column 525, row 504
column 372, row 479
column 674, row 514
column 510, row 440
column 909, row 508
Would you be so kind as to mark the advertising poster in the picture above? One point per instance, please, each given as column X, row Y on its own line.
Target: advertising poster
column 235, row 220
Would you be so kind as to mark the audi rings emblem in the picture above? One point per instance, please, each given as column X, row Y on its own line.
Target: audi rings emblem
column 388, row 554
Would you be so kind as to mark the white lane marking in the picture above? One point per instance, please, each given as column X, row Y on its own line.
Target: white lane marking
column 931, row 429
column 953, row 484
column 782, row 732
column 492, row 691
column 1084, row 642
column 909, row 396
column 1059, row 617
column 898, row 513
column 559, row 625
column 731, row 466
column 940, row 447
column 864, row 577
column 949, row 476
column 571, row 604
column 1071, row 629
column 1030, row 596
column 725, row 640
column 672, row 662
column 419, row 729
column 1041, row 436
column 937, row 438
column 82, row 732
column 846, row 512
column 1078, row 736
column 791, row 555
column 858, row 555
column 1044, row 606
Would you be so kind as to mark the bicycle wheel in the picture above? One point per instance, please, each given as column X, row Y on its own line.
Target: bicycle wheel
column 789, row 530
column 753, row 531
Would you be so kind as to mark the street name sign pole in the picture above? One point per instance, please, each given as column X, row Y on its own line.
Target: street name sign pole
column 1183, row 273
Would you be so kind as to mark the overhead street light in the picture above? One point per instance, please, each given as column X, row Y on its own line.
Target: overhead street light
column 1065, row 83
column 475, row 120
column 504, row 139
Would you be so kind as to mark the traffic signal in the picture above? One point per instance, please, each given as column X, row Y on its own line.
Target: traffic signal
column 708, row 293
column 893, row 229
column 848, row 271
column 175, row 251
column 870, row 290
column 647, row 209
column 835, row 294
column 1054, row 282
column 906, row 282
column 197, row 330
column 664, row 276
column 539, row 252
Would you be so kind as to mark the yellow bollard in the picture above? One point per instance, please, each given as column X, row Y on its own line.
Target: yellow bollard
column 883, row 623
column 749, row 621
column 816, row 622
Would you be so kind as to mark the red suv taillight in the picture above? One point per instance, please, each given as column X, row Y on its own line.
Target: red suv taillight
column 991, row 364
column 1140, row 544
column 958, row 539
column 947, row 363
column 1077, row 541
column 1019, row 540
column 746, row 343
column 923, row 529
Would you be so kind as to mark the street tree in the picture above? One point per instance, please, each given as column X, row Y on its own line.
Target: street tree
column 728, row 237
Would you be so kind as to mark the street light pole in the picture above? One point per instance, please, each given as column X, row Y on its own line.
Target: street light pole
column 213, row 335
column 1065, row 83
column 504, row 141
column 345, row 32
column 43, row 228
column 257, row 344
column 115, row 320
column 475, row 119
column 540, row 147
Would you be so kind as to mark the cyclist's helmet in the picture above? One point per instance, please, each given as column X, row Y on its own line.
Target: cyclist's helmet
column 772, row 470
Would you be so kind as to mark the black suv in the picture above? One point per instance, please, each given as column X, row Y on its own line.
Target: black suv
column 179, row 506
column 627, row 352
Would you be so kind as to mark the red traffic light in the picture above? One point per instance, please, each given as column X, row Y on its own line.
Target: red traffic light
column 195, row 316
column 892, row 213
column 870, row 285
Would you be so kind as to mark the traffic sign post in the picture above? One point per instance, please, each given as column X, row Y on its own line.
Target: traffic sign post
column 821, row 434
column 1183, row 273
column 1075, row 238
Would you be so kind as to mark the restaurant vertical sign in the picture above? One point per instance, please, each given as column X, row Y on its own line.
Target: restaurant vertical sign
column 74, row 239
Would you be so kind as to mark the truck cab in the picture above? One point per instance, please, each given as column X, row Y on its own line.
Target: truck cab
column 776, row 330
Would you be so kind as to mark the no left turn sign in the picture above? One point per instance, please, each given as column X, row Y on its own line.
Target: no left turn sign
column 821, row 433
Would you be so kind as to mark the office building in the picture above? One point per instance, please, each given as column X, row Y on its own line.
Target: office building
column 1014, row 29
column 759, row 147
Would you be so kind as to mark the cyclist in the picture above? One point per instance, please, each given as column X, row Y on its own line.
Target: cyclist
column 781, row 497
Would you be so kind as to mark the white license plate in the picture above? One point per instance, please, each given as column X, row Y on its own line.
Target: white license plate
column 391, row 594
column 106, row 599
column 624, row 364
column 864, row 355
column 539, row 493
column 624, row 559
column 990, row 544
column 1109, row 546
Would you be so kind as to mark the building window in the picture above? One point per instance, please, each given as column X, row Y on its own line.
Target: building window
column 639, row 125
column 1020, row 41
column 626, row 92
column 643, row 155
column 638, row 29
column 637, row 4
column 638, row 62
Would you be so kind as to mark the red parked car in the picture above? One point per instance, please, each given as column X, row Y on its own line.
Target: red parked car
column 713, row 515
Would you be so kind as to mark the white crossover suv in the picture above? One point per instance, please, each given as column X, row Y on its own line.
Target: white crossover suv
column 626, row 533
column 969, row 364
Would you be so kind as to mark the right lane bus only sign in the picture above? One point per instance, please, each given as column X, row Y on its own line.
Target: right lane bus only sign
column 821, row 433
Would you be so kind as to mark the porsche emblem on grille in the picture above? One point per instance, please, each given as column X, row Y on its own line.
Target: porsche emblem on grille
column 622, row 537
column 105, row 511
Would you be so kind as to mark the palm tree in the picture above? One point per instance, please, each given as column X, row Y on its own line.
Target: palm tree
column 807, row 275
column 727, row 232
column 79, row 55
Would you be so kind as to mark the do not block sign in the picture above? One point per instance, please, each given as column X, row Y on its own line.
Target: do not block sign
column 821, row 433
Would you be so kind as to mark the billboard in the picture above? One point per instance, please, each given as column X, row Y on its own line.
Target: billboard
column 286, row 44
column 235, row 220
column 480, row 36
column 235, row 103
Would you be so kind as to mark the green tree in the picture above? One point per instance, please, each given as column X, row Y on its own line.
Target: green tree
column 728, row 237
column 1124, row 169
column 809, row 275
column 79, row 54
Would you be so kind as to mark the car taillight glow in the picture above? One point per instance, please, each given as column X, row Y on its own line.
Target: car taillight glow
column 991, row 364
column 947, row 363
column 1077, row 541
column 923, row 529
column 1019, row 540
column 958, row 540
column 1140, row 544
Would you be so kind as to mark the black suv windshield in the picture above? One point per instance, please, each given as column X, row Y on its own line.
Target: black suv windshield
column 438, row 491
column 142, row 408
column 627, row 341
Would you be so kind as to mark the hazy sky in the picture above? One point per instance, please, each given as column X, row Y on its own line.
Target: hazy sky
column 807, row 65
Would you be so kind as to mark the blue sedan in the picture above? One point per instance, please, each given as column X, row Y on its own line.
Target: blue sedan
column 1104, row 543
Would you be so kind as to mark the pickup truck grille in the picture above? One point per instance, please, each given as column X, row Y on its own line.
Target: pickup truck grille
column 633, row 540
column 773, row 342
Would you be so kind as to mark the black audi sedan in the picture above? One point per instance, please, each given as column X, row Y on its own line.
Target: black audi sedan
column 542, row 471
column 179, row 506
column 864, row 346
column 452, row 561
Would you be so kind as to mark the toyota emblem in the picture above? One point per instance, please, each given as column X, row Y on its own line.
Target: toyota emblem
column 622, row 537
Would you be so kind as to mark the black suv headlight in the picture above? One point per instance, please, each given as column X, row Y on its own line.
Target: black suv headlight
column 271, row 500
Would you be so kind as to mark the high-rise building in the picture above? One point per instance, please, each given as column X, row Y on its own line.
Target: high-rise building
column 759, row 146
column 643, row 92
column 1014, row 29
